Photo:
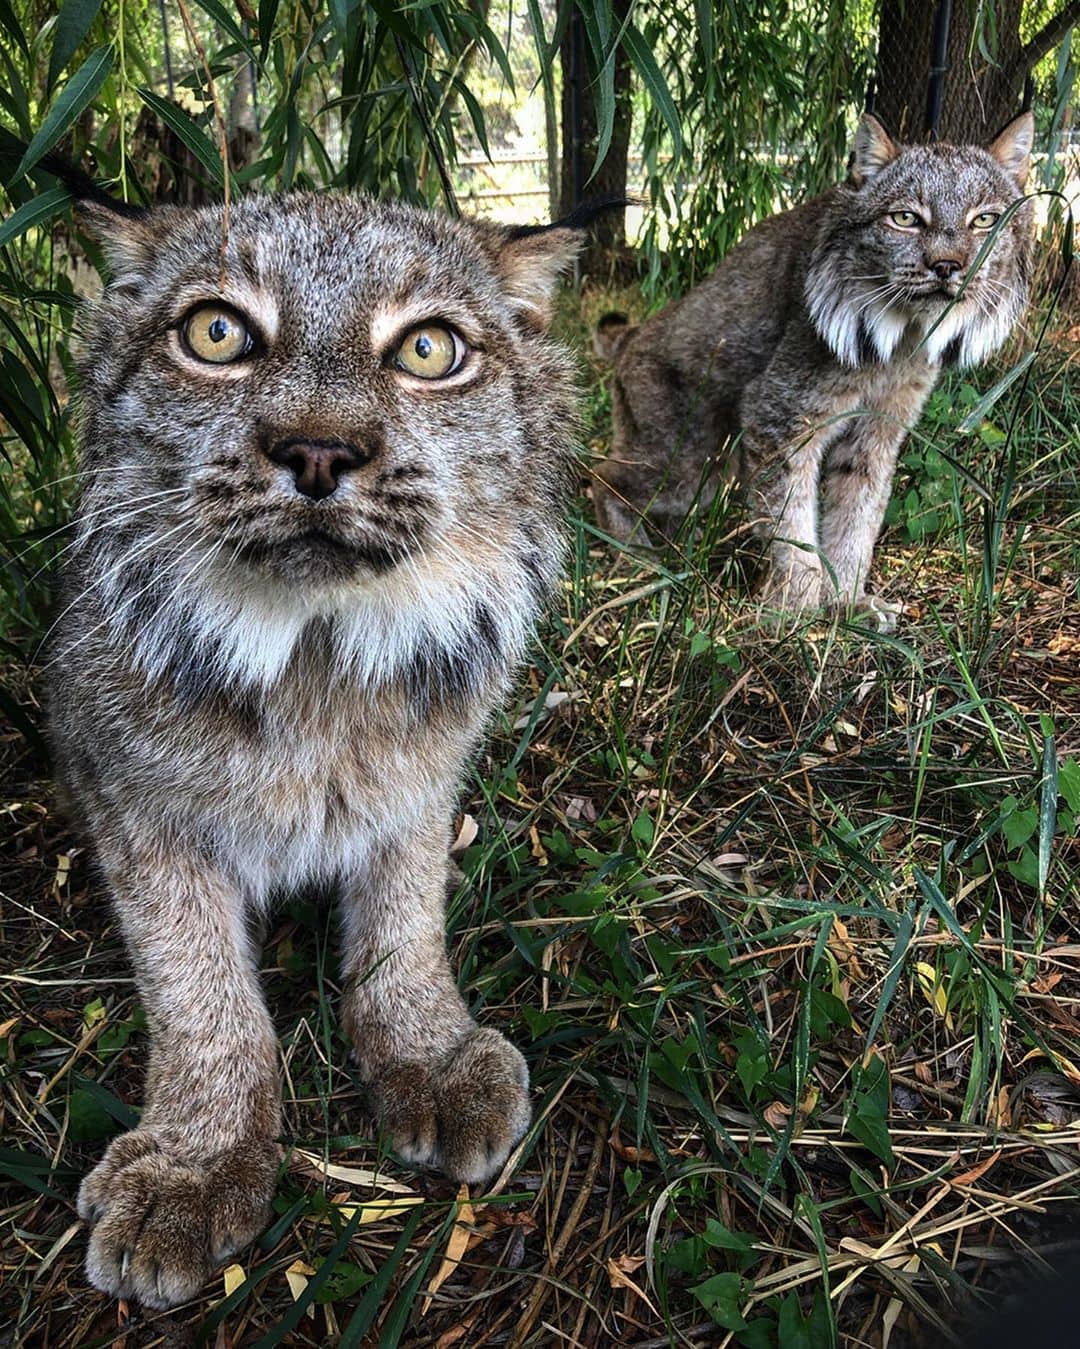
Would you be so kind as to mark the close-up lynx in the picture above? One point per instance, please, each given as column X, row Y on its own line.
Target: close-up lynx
column 814, row 346
column 325, row 466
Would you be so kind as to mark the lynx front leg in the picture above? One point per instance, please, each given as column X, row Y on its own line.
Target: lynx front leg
column 449, row 1094
column 857, row 480
column 193, row 1183
column 783, row 486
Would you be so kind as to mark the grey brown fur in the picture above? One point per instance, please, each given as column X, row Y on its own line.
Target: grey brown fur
column 253, row 690
column 816, row 343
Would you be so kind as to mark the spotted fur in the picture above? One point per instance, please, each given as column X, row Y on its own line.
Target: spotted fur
column 254, row 691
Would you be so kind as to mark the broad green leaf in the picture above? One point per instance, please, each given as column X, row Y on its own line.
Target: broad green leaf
column 72, row 25
column 35, row 212
column 868, row 1109
column 72, row 100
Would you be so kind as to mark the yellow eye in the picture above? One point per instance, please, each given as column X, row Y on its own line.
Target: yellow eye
column 904, row 220
column 217, row 335
column 985, row 220
column 430, row 352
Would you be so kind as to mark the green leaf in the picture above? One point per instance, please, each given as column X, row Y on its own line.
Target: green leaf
column 645, row 63
column 88, row 1120
column 72, row 25
column 722, row 1297
column 868, row 1111
column 72, row 101
column 221, row 15
column 974, row 418
column 193, row 136
column 1069, row 783
column 1019, row 825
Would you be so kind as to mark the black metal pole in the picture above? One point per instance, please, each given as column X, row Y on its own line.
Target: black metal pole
column 577, row 175
column 939, row 51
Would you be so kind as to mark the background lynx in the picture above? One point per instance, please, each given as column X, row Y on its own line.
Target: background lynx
column 325, row 466
column 817, row 341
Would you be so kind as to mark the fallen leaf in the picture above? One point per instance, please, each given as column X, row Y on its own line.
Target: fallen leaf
column 351, row 1175
column 375, row 1211
column 970, row 1176
column 297, row 1276
column 466, row 835
column 456, row 1245
column 619, row 1272
column 233, row 1276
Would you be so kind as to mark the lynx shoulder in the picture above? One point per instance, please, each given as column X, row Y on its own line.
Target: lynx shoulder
column 325, row 455
column 813, row 348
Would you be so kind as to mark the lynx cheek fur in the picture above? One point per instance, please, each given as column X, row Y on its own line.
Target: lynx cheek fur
column 817, row 342
column 324, row 467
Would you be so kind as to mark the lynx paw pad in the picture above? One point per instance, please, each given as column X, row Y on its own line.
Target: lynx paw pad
column 464, row 1114
column 160, row 1225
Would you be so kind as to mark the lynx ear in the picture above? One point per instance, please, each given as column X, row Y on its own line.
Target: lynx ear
column 1012, row 148
column 125, row 240
column 874, row 148
column 530, row 262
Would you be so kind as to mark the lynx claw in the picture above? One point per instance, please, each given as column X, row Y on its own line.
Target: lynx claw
column 879, row 614
column 159, row 1225
column 461, row 1116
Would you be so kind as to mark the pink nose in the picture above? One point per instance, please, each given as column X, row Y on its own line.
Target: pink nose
column 317, row 465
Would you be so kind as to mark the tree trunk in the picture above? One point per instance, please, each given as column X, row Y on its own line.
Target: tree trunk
column 607, row 242
column 979, row 96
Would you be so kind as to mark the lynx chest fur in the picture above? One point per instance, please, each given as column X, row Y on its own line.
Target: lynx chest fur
column 813, row 348
column 325, row 444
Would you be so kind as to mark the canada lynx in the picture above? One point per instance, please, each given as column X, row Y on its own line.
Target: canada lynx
column 325, row 465
column 816, row 342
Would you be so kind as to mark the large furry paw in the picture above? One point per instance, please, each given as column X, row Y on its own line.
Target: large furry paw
column 159, row 1225
column 462, row 1114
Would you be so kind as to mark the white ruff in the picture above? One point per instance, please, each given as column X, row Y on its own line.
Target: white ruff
column 247, row 629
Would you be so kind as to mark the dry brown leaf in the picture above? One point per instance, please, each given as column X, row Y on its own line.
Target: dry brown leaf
column 970, row 1176
column 466, row 835
column 777, row 1114
column 627, row 1152
column 619, row 1272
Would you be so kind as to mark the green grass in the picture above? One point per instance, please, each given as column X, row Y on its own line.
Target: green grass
column 786, row 926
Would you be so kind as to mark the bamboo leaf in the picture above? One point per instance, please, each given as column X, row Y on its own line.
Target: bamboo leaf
column 35, row 212
column 72, row 25
column 221, row 15
column 645, row 63
column 193, row 136
column 72, row 100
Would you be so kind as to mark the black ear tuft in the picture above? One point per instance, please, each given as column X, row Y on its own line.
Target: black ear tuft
column 580, row 218
column 83, row 188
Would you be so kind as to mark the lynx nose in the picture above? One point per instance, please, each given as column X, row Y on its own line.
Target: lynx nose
column 316, row 465
column 945, row 268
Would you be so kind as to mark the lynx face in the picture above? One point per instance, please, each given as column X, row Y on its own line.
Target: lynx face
column 332, row 406
column 909, row 257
